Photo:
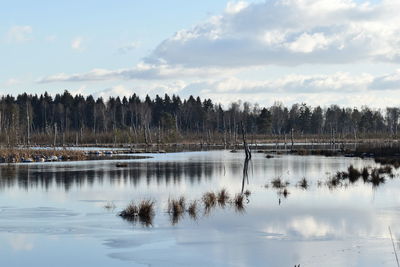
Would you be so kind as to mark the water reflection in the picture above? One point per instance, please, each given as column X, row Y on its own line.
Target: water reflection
column 47, row 176
column 245, row 173
column 345, row 226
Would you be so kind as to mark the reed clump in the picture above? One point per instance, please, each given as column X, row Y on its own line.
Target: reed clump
column 130, row 212
column 209, row 200
column 176, row 208
column 142, row 212
column 278, row 183
column 365, row 174
column 304, row 183
column 223, row 197
column 238, row 202
column 192, row 209
column 353, row 174
column 376, row 178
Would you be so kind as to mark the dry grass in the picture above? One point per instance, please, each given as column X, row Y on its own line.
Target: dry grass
column 143, row 212
column 365, row 174
column 11, row 155
column 223, row 197
column 304, row 183
column 131, row 211
column 353, row 174
column 238, row 202
column 209, row 200
column 176, row 209
column 376, row 178
column 278, row 183
column 385, row 170
column 192, row 210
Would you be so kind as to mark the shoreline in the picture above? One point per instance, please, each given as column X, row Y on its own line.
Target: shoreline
column 380, row 151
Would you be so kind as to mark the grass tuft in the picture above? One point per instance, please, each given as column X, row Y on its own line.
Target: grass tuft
column 143, row 212
column 222, row 197
column 209, row 200
column 238, row 202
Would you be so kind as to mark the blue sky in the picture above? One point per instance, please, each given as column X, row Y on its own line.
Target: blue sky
column 314, row 51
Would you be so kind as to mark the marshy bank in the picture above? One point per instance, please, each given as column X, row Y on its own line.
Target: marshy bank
column 29, row 155
column 385, row 153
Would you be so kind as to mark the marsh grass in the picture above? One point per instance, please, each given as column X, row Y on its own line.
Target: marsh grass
column 277, row 183
column 385, row 169
column 238, row 202
column 223, row 197
column 131, row 211
column 209, row 200
column 353, row 174
column 365, row 174
column 303, row 183
column 192, row 210
column 376, row 179
column 10, row 155
column 176, row 209
column 143, row 212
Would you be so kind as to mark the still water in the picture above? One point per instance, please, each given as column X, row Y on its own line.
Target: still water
column 53, row 214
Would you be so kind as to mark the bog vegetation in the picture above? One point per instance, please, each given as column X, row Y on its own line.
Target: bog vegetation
column 67, row 119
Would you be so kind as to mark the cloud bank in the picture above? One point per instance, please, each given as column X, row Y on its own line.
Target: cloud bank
column 288, row 32
column 209, row 58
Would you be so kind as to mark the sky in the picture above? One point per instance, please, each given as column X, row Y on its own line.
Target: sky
column 319, row 52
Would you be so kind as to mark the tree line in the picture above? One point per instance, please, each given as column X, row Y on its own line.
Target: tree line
column 66, row 119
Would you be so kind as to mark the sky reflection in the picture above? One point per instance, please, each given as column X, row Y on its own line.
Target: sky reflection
column 42, row 204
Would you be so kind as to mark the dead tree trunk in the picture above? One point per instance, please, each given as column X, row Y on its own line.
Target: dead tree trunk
column 55, row 135
column 291, row 136
column 245, row 145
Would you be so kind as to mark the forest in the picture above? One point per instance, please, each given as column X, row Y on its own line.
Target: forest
column 66, row 119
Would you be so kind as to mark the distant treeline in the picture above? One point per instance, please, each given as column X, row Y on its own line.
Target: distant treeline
column 66, row 119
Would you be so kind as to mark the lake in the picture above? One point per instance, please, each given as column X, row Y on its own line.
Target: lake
column 54, row 214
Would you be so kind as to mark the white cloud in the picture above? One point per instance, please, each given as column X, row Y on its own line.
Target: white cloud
column 124, row 49
column 387, row 82
column 11, row 82
column 307, row 43
column 77, row 43
column 235, row 7
column 290, row 84
column 215, row 58
column 19, row 34
column 288, row 32
column 140, row 72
